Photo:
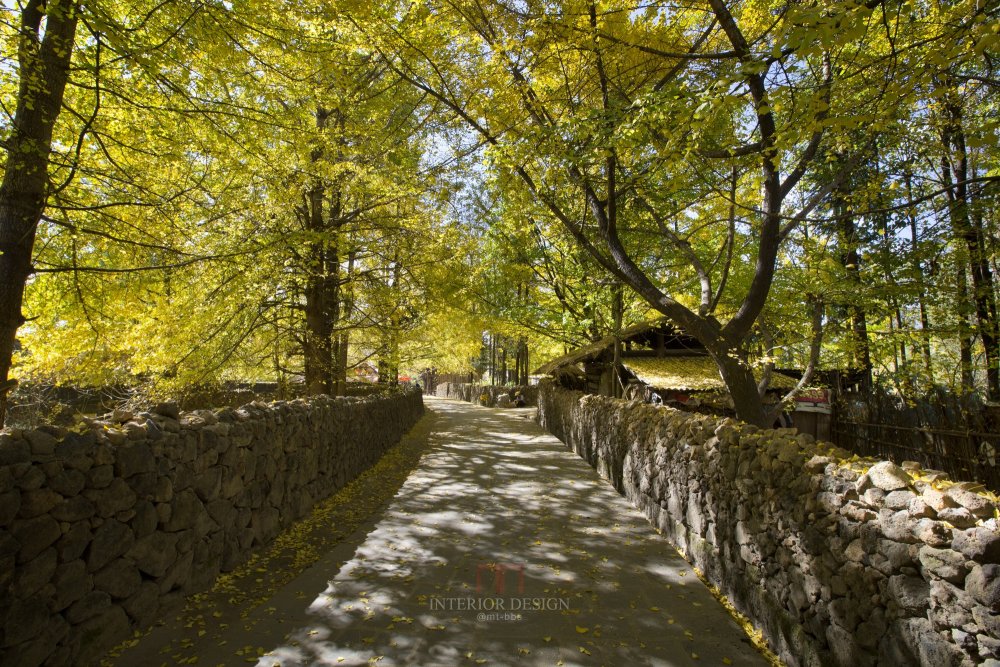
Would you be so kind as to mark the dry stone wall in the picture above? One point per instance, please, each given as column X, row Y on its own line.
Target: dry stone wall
column 472, row 392
column 105, row 527
column 839, row 560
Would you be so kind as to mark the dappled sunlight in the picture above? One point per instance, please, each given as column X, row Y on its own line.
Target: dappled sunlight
column 503, row 547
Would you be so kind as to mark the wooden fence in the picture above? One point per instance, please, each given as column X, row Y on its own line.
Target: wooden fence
column 955, row 435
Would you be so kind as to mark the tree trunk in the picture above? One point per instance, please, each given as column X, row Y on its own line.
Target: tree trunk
column 918, row 272
column 966, row 228
column 955, row 173
column 43, row 67
column 317, row 347
column 742, row 385
column 617, row 313
column 850, row 259
column 986, row 305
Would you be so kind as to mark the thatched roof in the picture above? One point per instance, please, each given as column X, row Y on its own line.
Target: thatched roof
column 685, row 366
column 636, row 332
column 693, row 373
column 593, row 350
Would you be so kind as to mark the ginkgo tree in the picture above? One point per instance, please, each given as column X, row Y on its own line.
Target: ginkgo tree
column 202, row 191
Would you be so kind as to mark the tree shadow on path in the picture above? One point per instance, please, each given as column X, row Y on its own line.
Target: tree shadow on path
column 503, row 547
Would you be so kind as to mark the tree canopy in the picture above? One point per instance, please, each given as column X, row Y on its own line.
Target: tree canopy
column 196, row 192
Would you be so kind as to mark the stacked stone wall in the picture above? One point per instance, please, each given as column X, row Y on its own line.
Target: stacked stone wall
column 838, row 560
column 473, row 392
column 107, row 526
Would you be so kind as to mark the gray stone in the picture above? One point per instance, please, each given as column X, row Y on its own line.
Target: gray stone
column 978, row 505
column 933, row 533
column 888, row 476
column 31, row 478
column 855, row 511
column 950, row 605
column 34, row 653
column 145, row 519
column 169, row 425
column 6, row 479
column 68, row 482
column 899, row 500
column 959, row 517
column 134, row 458
column 944, row 563
column 897, row 525
column 856, row 551
column 90, row 605
column 153, row 431
column 10, row 504
column 911, row 594
column 874, row 497
column 899, row 555
column 817, row 464
column 981, row 544
column 35, row 535
column 26, row 619
column 112, row 539
column 188, row 512
column 144, row 604
column 100, row 476
column 844, row 647
column 164, row 490
column 101, row 633
column 116, row 436
column 266, row 524
column 155, row 553
column 13, row 451
column 144, row 484
column 37, row 502
column 208, row 484
column 989, row 650
column 72, row 582
column 113, row 499
column 163, row 512
column 135, row 431
column 33, row 575
column 919, row 509
column 42, row 443
column 937, row 499
column 987, row 621
column 76, row 445
column 121, row 579
column 168, row 409
column 74, row 542
column 938, row 651
column 983, row 584
column 221, row 511
column 74, row 509
column 179, row 574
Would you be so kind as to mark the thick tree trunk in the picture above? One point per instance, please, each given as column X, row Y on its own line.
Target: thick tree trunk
column 742, row 385
column 43, row 67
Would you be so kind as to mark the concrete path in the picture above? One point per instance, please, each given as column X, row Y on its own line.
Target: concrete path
column 501, row 548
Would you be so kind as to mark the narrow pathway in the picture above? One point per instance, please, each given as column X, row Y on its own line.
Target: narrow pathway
column 501, row 548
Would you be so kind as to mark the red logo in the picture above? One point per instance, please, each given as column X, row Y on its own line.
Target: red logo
column 499, row 571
